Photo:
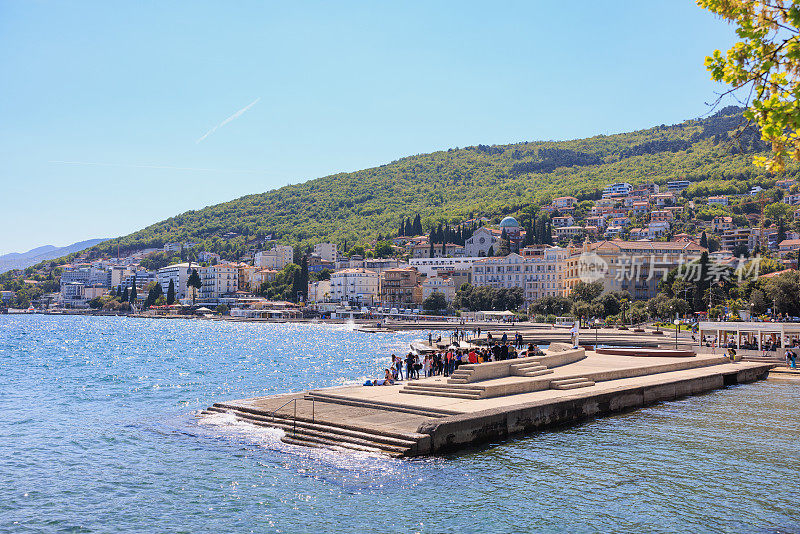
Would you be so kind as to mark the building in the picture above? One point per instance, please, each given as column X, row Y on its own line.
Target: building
column 788, row 246
column 179, row 275
column 568, row 232
column 257, row 276
column 785, row 184
column 645, row 190
column 721, row 224
column 678, row 185
column 640, row 208
column 218, row 281
column 355, row 285
column 735, row 237
column 398, row 286
column 327, row 251
column 561, row 222
column 620, row 188
column 500, row 272
column 440, row 250
column 663, row 199
column 657, row 229
column 633, row 266
column 276, row 258
column 792, row 199
column 661, row 215
column 317, row 263
column 446, row 286
column 433, row 266
column 481, row 241
column 720, row 200
column 208, row 257
column 564, row 203
column 319, row 291
column 173, row 247
column 544, row 274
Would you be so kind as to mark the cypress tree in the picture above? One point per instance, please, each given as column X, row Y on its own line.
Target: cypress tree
column 417, row 225
column 171, row 292
column 133, row 291
column 125, row 295
column 704, row 240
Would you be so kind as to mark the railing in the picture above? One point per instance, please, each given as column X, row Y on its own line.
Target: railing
column 294, row 416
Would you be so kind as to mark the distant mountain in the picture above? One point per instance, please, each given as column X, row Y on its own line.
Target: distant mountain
column 21, row 260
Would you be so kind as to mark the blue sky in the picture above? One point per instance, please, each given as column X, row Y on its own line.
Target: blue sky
column 103, row 106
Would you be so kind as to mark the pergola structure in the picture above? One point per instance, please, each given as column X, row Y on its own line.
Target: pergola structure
column 783, row 334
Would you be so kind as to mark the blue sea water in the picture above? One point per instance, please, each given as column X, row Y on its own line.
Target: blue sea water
column 99, row 433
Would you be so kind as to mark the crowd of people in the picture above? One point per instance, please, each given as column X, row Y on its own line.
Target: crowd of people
column 445, row 362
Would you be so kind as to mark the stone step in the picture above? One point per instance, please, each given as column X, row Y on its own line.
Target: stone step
column 574, row 385
column 379, row 405
column 457, row 381
column 571, row 383
column 287, row 422
column 521, row 366
column 540, row 372
column 332, row 435
column 472, row 396
column 444, row 388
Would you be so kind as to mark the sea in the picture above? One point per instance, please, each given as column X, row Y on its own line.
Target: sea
column 100, row 432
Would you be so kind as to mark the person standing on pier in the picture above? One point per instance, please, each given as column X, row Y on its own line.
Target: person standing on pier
column 409, row 366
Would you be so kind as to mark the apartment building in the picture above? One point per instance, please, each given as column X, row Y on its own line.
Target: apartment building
column 400, row 286
column 218, row 281
column 178, row 274
column 633, row 266
column 327, row 251
column 439, row 284
column 620, row 188
column 355, row 285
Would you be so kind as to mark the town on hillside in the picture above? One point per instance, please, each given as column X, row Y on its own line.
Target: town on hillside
column 638, row 236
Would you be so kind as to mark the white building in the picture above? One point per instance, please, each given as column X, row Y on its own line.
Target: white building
column 678, row 185
column 173, row 247
column 481, row 241
column 361, row 285
column 439, row 284
column 620, row 188
column 431, row 266
column 326, row 251
column 319, row 291
column 179, row 274
column 218, row 280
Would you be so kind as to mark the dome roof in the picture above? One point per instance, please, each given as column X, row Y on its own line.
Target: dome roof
column 509, row 222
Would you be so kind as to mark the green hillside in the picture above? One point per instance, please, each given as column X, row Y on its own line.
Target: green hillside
column 482, row 180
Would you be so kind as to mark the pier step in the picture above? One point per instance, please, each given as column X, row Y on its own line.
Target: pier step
column 303, row 432
column 571, row 383
column 538, row 372
column 378, row 405
column 444, row 390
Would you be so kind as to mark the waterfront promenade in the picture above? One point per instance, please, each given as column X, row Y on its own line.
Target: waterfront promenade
column 490, row 401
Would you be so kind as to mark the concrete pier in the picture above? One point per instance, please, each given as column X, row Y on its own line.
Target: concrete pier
column 489, row 401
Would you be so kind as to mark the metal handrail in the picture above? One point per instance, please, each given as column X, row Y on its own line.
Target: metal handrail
column 294, row 416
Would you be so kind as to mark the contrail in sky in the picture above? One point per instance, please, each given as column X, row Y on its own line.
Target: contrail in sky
column 229, row 119
column 136, row 166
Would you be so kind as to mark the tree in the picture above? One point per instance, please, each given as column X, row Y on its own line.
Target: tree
column 383, row 249
column 586, row 292
column 194, row 283
column 764, row 66
column 551, row 305
column 222, row 309
column 154, row 291
column 505, row 243
column 435, row 302
column 133, row 295
column 704, row 240
column 417, row 227
column 171, row 292
column 490, row 252
column 125, row 295
column 785, row 293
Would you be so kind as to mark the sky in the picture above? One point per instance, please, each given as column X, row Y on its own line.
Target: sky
column 115, row 115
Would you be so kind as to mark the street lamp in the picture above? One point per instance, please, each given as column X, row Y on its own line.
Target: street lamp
column 677, row 329
column 596, row 326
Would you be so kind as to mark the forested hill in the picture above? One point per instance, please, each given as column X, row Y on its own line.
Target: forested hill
column 450, row 185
